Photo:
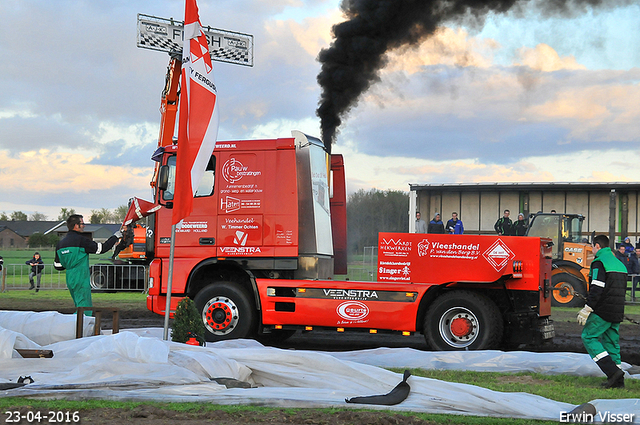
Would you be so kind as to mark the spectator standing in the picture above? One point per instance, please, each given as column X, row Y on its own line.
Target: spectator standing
column 519, row 228
column 503, row 225
column 628, row 247
column 37, row 265
column 604, row 310
column 629, row 260
column 636, row 271
column 436, row 225
column 72, row 255
column 421, row 226
column 455, row 226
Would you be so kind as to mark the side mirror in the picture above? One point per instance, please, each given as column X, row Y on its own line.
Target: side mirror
column 163, row 177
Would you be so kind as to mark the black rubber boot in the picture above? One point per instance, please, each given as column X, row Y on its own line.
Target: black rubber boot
column 615, row 375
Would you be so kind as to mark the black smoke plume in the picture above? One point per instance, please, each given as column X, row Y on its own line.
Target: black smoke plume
column 373, row 27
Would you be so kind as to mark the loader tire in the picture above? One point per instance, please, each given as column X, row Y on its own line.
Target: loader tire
column 227, row 312
column 564, row 288
column 463, row 320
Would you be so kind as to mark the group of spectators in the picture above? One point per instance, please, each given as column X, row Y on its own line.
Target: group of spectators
column 504, row 225
column 629, row 256
column 453, row 227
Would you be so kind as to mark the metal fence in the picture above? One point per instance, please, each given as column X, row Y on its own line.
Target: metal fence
column 121, row 277
column 104, row 277
column 365, row 269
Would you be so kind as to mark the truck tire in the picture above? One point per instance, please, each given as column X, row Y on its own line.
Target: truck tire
column 463, row 320
column 563, row 285
column 226, row 311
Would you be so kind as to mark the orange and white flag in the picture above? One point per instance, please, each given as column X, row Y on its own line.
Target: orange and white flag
column 198, row 125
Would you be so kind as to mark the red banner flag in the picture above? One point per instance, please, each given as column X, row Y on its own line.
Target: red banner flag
column 198, row 125
column 138, row 209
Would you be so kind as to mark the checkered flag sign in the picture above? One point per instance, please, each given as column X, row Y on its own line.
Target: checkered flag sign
column 167, row 35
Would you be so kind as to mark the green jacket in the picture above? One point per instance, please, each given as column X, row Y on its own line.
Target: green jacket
column 72, row 255
column 608, row 286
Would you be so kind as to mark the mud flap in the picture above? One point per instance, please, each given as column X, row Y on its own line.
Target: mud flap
column 397, row 395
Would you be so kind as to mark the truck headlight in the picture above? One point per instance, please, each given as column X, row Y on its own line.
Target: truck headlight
column 150, row 282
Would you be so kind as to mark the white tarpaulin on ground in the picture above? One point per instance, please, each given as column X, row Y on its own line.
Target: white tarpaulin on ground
column 138, row 365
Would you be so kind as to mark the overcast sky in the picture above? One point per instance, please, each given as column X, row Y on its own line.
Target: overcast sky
column 519, row 97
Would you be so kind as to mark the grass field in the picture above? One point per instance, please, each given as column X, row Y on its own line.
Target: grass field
column 16, row 271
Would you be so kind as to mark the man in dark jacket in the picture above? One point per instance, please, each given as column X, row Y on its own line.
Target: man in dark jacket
column 37, row 265
column 629, row 260
column 503, row 225
column 519, row 227
column 72, row 254
column 436, row 225
column 604, row 310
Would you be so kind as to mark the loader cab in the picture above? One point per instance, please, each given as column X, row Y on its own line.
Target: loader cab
column 565, row 230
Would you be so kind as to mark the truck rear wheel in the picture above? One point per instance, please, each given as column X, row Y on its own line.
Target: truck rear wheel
column 226, row 311
column 565, row 286
column 463, row 320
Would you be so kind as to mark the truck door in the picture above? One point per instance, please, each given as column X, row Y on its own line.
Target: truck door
column 240, row 204
column 199, row 228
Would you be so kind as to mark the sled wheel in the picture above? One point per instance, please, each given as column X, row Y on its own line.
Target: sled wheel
column 565, row 287
column 226, row 311
column 463, row 320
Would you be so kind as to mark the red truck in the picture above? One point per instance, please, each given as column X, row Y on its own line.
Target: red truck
column 258, row 256
column 267, row 235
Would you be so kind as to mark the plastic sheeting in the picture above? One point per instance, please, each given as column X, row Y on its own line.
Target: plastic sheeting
column 137, row 365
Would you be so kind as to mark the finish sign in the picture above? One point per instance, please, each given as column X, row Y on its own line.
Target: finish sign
column 166, row 35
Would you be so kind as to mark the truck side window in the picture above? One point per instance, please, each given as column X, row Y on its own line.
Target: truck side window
column 167, row 195
column 208, row 179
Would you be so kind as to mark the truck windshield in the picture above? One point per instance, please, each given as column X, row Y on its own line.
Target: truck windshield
column 546, row 226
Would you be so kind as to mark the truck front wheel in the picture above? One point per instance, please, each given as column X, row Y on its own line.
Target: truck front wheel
column 463, row 320
column 226, row 311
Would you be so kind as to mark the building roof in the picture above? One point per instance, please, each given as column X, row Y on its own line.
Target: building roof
column 89, row 228
column 27, row 228
column 545, row 186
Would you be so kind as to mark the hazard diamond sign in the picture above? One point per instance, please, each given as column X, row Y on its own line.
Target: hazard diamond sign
column 498, row 255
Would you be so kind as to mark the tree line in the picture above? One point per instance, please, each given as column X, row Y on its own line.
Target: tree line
column 368, row 213
column 99, row 216
column 374, row 211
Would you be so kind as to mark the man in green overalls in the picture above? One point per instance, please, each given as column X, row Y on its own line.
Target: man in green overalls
column 72, row 255
column 604, row 310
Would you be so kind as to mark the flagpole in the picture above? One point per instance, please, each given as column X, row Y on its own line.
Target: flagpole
column 169, row 283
